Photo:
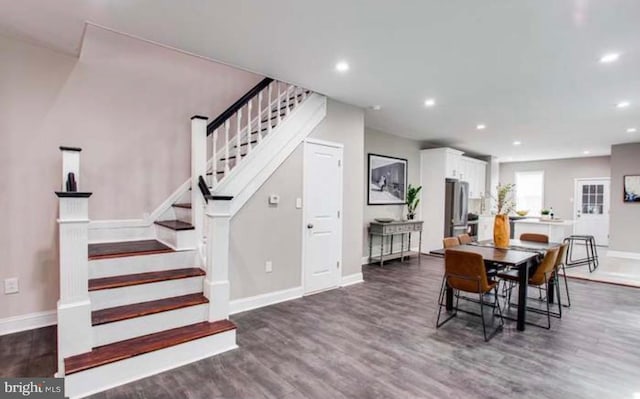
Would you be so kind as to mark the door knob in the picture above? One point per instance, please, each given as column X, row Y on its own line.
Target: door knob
column 310, row 226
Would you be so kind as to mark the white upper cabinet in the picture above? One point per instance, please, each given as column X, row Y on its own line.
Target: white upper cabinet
column 474, row 172
column 454, row 164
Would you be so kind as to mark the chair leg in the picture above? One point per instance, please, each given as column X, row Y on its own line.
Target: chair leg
column 484, row 329
column 566, row 286
column 556, row 283
column 548, row 308
column 441, row 304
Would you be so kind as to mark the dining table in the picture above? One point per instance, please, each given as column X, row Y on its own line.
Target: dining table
column 520, row 255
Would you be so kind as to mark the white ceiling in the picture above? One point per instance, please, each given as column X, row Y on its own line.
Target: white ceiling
column 528, row 69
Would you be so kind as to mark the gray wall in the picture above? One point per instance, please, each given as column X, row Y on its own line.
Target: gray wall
column 625, row 160
column 261, row 232
column 559, row 175
column 377, row 142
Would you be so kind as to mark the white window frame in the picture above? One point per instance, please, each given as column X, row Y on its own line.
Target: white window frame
column 532, row 212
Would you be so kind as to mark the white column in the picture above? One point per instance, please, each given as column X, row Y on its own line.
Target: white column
column 74, row 307
column 216, row 283
column 70, row 164
column 198, row 168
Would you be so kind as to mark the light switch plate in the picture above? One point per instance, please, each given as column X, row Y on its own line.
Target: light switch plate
column 11, row 286
column 268, row 266
column 298, row 203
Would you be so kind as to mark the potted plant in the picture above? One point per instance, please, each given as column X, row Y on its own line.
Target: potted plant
column 545, row 213
column 412, row 201
column 505, row 204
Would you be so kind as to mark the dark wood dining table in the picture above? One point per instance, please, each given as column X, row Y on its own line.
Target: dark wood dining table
column 520, row 255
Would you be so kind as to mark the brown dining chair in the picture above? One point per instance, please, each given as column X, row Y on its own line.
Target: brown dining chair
column 543, row 274
column 560, row 264
column 465, row 272
column 464, row 239
column 534, row 237
column 450, row 242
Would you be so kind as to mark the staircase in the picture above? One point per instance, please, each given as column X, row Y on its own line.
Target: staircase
column 133, row 308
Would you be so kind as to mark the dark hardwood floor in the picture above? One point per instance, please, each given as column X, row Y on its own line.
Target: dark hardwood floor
column 378, row 340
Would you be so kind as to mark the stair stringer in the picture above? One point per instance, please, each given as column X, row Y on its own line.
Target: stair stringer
column 245, row 179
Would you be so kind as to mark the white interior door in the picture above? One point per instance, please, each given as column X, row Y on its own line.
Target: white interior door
column 322, row 225
column 591, row 209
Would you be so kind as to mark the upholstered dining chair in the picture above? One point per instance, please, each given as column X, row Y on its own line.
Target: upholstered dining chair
column 465, row 272
column 540, row 279
column 450, row 242
column 534, row 237
column 464, row 239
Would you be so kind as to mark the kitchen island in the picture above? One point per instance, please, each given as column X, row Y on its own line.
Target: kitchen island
column 556, row 230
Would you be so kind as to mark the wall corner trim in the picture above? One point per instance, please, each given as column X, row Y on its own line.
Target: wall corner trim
column 29, row 321
column 258, row 301
column 351, row 279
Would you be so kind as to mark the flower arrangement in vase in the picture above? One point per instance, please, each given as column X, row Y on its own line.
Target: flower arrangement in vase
column 506, row 205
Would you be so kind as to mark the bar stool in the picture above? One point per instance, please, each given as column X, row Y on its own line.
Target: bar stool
column 591, row 258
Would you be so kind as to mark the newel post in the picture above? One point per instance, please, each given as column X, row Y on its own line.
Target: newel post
column 198, row 168
column 216, row 284
column 74, row 306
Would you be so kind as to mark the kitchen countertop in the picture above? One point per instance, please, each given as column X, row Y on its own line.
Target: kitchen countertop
column 549, row 222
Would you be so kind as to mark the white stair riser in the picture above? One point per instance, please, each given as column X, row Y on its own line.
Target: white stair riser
column 109, row 298
column 183, row 214
column 98, row 379
column 142, row 263
column 176, row 239
column 119, row 331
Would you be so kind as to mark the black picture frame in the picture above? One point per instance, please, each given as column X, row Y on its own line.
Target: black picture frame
column 631, row 188
column 390, row 189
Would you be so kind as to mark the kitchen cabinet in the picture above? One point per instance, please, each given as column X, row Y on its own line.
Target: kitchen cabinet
column 474, row 172
column 454, row 164
column 436, row 165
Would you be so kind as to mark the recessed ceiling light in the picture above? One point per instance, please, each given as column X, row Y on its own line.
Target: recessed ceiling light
column 632, row 130
column 586, row 152
column 609, row 58
column 481, row 126
column 429, row 102
column 517, row 142
column 623, row 104
column 376, row 107
column 342, row 66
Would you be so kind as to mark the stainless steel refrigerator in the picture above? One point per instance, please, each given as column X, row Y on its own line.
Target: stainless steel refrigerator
column 455, row 207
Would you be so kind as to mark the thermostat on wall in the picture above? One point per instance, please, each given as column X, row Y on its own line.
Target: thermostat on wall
column 274, row 199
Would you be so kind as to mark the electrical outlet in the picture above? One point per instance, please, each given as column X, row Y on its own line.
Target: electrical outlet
column 11, row 286
column 268, row 266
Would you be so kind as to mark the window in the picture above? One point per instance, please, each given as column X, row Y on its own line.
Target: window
column 530, row 192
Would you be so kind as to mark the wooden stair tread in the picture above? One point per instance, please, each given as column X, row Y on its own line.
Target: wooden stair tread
column 127, row 280
column 185, row 205
column 177, row 225
column 126, row 312
column 126, row 248
column 140, row 345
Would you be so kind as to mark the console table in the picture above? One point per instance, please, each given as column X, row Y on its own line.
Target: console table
column 391, row 229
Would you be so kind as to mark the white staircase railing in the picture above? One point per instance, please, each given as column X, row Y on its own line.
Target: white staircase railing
column 219, row 148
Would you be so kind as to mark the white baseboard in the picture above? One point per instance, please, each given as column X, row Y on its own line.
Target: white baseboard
column 258, row 301
column 351, row 279
column 28, row 321
column 623, row 254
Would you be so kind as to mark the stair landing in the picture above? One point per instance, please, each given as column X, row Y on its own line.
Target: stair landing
column 126, row 248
